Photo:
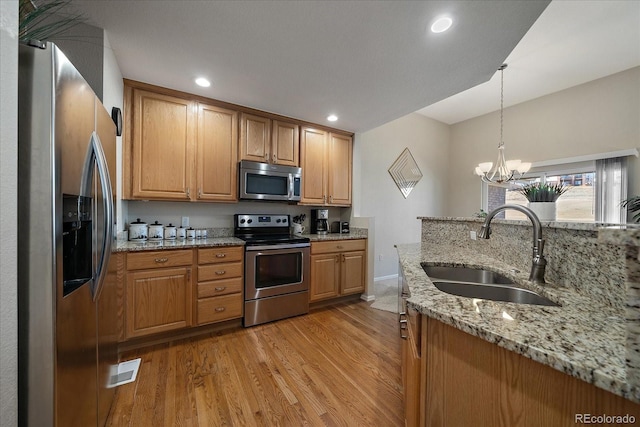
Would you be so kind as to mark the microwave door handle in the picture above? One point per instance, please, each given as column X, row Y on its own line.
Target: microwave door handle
column 290, row 195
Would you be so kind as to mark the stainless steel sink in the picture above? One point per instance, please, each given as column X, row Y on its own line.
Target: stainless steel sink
column 465, row 274
column 493, row 292
column 481, row 284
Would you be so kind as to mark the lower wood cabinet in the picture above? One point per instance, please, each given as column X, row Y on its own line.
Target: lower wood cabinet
column 159, row 289
column 338, row 268
column 163, row 295
column 220, row 284
column 463, row 380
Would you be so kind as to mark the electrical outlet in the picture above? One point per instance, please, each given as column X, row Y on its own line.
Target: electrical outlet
column 380, row 257
column 185, row 221
column 473, row 235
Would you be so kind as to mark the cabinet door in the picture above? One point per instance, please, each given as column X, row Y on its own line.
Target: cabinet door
column 255, row 138
column 325, row 276
column 411, row 380
column 340, row 155
column 162, row 150
column 158, row 300
column 217, row 158
column 285, row 143
column 353, row 272
column 313, row 161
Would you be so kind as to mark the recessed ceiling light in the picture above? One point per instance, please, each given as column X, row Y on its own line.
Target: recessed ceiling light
column 201, row 81
column 332, row 118
column 441, row 24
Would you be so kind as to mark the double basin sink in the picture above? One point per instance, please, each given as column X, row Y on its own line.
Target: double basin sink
column 482, row 284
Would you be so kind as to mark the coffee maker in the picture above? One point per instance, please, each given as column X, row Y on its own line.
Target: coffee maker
column 319, row 221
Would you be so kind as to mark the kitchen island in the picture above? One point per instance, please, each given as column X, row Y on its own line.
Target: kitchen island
column 585, row 337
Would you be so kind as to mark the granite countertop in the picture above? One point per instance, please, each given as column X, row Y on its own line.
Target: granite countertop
column 581, row 338
column 128, row 246
column 335, row 236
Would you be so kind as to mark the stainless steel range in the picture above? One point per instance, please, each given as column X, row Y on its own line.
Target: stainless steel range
column 276, row 272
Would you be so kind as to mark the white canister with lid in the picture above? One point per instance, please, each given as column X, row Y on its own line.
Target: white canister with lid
column 156, row 231
column 138, row 231
column 191, row 233
column 170, row 232
column 182, row 233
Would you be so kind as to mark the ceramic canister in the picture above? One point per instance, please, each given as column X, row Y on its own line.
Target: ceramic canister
column 156, row 231
column 138, row 231
column 170, row 232
column 182, row 233
column 191, row 233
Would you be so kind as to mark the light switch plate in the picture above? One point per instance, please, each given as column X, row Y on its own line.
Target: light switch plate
column 185, row 221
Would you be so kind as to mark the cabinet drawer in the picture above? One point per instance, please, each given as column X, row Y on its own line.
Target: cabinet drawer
column 155, row 259
column 338, row 246
column 219, row 271
column 217, row 309
column 221, row 254
column 220, row 287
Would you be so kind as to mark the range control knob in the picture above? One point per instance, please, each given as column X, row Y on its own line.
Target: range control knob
column 278, row 220
column 242, row 221
column 284, row 220
column 249, row 221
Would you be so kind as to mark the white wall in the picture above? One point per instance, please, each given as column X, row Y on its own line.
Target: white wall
column 8, row 211
column 378, row 196
column 113, row 96
column 595, row 117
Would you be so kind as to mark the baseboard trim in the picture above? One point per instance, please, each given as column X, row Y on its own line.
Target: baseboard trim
column 367, row 298
column 381, row 278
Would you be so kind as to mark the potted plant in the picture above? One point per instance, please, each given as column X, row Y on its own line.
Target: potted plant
column 633, row 205
column 542, row 198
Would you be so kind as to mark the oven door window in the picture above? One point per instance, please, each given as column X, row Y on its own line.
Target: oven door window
column 278, row 269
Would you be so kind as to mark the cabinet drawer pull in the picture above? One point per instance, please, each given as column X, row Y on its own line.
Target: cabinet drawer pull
column 221, row 255
column 161, row 260
column 220, row 309
column 221, row 272
column 339, row 246
column 220, row 288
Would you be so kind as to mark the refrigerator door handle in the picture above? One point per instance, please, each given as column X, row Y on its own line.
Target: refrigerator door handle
column 95, row 155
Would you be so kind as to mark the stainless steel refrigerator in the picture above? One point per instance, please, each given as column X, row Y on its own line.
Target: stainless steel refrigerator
column 67, row 294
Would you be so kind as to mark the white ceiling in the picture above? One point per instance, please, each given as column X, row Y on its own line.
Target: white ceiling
column 369, row 62
column 573, row 42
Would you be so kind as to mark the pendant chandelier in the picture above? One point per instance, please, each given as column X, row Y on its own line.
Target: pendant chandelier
column 503, row 171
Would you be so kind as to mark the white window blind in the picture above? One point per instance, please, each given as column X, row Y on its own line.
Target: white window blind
column 611, row 190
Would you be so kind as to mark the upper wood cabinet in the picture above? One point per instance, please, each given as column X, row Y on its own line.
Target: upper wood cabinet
column 179, row 149
column 268, row 141
column 163, row 130
column 179, row 146
column 216, row 154
column 326, row 160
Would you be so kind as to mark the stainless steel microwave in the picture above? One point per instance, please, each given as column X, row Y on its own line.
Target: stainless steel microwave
column 262, row 181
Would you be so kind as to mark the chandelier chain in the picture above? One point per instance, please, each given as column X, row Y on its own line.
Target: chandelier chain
column 501, row 102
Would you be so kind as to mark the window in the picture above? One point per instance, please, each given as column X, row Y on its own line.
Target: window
column 576, row 205
column 597, row 187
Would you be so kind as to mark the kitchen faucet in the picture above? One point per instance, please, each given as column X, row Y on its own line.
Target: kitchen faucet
column 539, row 262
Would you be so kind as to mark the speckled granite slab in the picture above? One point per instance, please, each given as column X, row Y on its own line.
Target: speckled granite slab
column 354, row 233
column 587, row 337
column 126, row 246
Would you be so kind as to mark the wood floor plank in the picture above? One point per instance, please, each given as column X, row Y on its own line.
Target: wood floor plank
column 336, row 366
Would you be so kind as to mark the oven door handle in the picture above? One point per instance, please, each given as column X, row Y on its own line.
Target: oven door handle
column 278, row 246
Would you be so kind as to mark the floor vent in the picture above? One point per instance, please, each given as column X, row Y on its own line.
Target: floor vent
column 126, row 373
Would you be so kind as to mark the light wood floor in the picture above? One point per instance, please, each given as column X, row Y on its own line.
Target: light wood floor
column 336, row 366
